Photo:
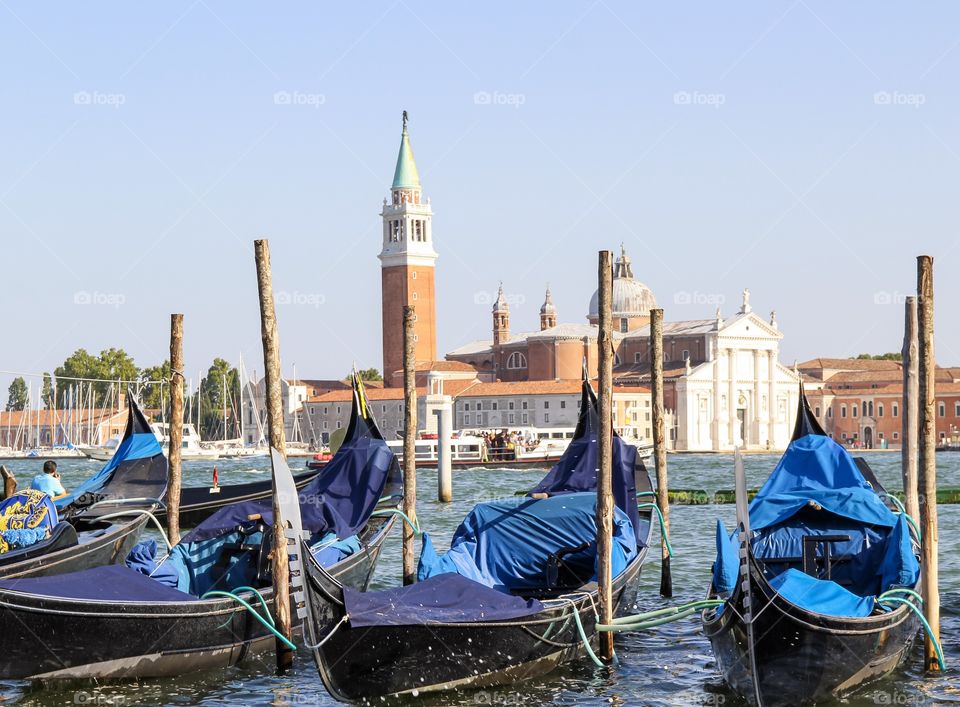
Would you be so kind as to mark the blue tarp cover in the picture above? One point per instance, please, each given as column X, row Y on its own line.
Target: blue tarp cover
column 339, row 500
column 727, row 565
column 506, row 544
column 821, row 595
column 143, row 559
column 445, row 598
column 110, row 583
column 815, row 468
column 577, row 471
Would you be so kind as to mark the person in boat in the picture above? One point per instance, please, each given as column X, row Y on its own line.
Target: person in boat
column 49, row 481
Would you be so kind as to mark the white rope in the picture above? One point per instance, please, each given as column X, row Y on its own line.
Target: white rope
column 138, row 512
column 341, row 622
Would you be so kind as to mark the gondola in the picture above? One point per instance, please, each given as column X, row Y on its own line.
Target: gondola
column 158, row 618
column 504, row 604
column 101, row 520
column 197, row 503
column 813, row 580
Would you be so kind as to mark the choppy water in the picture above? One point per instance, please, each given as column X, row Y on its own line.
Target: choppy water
column 670, row 666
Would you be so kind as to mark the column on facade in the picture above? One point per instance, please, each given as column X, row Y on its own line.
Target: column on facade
column 755, row 419
column 715, row 423
column 772, row 409
column 731, row 403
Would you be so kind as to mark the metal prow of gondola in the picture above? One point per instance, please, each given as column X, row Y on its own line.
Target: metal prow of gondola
column 743, row 529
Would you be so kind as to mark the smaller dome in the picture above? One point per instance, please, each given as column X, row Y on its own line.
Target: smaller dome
column 500, row 305
column 631, row 298
column 548, row 306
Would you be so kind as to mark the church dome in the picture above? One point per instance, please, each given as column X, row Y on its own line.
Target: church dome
column 631, row 298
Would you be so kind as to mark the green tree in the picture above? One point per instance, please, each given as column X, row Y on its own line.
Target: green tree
column 891, row 356
column 370, row 374
column 46, row 394
column 111, row 365
column 212, row 401
column 17, row 395
column 153, row 395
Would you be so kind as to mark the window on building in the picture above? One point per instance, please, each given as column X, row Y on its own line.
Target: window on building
column 894, row 409
column 466, row 406
column 685, row 355
column 853, row 408
column 816, row 411
column 338, row 409
column 956, row 409
column 636, row 357
column 896, row 435
column 666, row 357
column 510, row 405
column 526, row 418
column 843, row 435
column 339, row 424
column 830, row 412
column 466, row 418
column 516, row 360
column 413, row 275
column 523, row 405
column 546, row 417
column 493, row 405
column 510, row 418
column 843, row 411
column 624, row 325
column 325, row 426
column 563, row 404
column 416, row 296
column 879, row 409
column 546, row 404
column 942, row 410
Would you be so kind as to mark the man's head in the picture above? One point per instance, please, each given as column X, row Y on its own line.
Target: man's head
column 50, row 467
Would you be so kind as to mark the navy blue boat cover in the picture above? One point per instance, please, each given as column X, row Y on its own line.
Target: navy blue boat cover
column 576, row 470
column 342, row 496
column 506, row 544
column 446, row 598
column 109, row 583
column 138, row 469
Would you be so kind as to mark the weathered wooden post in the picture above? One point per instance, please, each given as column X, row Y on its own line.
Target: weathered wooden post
column 444, row 455
column 605, row 503
column 409, row 443
column 175, row 429
column 928, row 458
column 659, row 446
column 9, row 483
column 910, row 405
column 278, row 440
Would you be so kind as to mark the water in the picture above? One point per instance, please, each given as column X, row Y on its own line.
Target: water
column 670, row 666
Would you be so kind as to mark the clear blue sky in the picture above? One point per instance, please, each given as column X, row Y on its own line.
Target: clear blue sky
column 806, row 150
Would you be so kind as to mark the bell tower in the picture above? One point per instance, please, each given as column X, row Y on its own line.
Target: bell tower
column 501, row 319
column 407, row 263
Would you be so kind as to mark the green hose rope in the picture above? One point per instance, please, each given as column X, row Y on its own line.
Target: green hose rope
column 926, row 627
column 396, row 511
column 666, row 539
column 583, row 637
column 243, row 602
column 646, row 493
column 902, row 590
column 620, row 628
column 913, row 524
column 263, row 602
column 696, row 605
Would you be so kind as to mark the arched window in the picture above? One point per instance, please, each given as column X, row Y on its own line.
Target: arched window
column 517, row 360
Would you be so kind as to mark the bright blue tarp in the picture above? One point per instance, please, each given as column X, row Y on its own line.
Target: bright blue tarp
column 506, row 544
column 820, row 595
column 444, row 598
column 815, row 468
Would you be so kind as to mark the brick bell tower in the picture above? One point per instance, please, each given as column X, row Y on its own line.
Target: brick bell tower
column 407, row 263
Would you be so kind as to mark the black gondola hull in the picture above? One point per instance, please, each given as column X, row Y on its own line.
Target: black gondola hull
column 112, row 547
column 802, row 657
column 366, row 663
column 75, row 639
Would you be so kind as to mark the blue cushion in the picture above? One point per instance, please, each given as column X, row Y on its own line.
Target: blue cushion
column 821, row 595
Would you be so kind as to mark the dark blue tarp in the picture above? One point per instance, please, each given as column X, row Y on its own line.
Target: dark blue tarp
column 143, row 559
column 339, row 500
column 815, row 468
column 577, row 469
column 506, row 544
column 109, row 583
column 445, row 598
column 139, row 443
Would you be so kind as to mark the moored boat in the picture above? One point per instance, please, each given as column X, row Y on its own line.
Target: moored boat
column 816, row 580
column 514, row 597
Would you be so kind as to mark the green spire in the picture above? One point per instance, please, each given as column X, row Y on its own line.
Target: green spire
column 406, row 176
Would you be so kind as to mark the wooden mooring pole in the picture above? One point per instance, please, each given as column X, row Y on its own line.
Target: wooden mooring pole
column 605, row 503
column 175, row 430
column 409, row 443
column 910, row 408
column 928, row 459
column 659, row 446
column 278, row 440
